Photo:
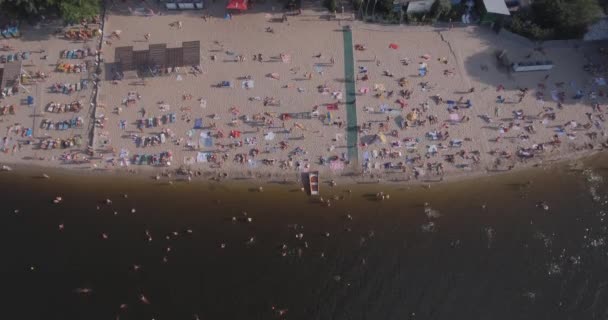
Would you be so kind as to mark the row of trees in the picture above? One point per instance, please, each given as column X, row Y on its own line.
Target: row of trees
column 557, row 19
column 69, row 10
column 441, row 10
column 544, row 19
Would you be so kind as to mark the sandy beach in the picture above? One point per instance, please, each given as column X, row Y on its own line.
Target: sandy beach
column 287, row 114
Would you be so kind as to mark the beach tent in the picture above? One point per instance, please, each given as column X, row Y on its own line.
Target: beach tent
column 240, row 5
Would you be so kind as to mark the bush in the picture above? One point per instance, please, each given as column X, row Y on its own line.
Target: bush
column 529, row 29
column 604, row 4
column 417, row 18
column 441, row 9
column 331, row 5
column 384, row 6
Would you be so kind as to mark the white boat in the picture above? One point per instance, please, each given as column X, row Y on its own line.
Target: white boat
column 313, row 183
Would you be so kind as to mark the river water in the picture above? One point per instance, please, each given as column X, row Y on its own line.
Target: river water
column 478, row 249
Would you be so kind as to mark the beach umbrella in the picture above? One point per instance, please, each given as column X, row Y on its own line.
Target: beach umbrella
column 412, row 116
column 269, row 136
column 382, row 137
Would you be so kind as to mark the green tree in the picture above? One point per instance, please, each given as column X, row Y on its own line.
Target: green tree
column 69, row 10
column 27, row 7
column 569, row 18
column 76, row 10
column 604, row 4
column 441, row 8
column 331, row 5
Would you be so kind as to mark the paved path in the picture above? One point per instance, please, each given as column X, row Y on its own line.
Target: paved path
column 351, row 99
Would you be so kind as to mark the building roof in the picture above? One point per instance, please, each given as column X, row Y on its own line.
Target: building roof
column 496, row 6
column 420, row 6
column 10, row 74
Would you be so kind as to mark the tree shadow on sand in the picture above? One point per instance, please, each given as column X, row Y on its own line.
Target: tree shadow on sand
column 493, row 69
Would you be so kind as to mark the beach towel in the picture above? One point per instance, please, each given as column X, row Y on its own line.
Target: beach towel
column 205, row 140
column 201, row 157
column 198, row 123
column 336, row 165
column 247, row 84
column 269, row 136
column 318, row 68
column 555, row 95
column 393, row 46
column 208, row 141
column 364, row 90
column 203, row 103
column 366, row 156
column 332, row 106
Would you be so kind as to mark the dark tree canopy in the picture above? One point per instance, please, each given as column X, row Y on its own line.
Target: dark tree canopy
column 561, row 19
column 69, row 10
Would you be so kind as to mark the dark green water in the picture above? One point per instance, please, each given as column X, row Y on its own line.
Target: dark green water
column 509, row 260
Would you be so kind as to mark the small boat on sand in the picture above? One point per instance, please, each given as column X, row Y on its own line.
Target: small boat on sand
column 313, row 183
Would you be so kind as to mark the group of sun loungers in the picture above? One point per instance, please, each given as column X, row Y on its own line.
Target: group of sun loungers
column 71, row 67
column 77, row 53
column 60, row 143
column 14, row 56
column 4, row 110
column 156, row 121
column 10, row 32
column 162, row 158
column 68, row 88
column 150, row 140
column 62, row 125
column 53, row 107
